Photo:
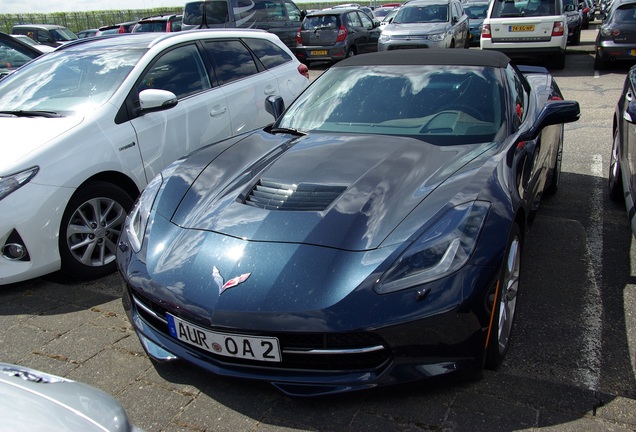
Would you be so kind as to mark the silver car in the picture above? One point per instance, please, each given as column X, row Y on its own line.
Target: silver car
column 37, row 401
column 427, row 24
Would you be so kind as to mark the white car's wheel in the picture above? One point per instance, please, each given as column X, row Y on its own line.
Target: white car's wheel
column 90, row 229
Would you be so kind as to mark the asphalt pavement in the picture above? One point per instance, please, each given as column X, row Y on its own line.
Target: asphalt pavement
column 80, row 331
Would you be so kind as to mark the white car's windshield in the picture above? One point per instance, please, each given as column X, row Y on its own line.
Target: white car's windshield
column 438, row 104
column 67, row 82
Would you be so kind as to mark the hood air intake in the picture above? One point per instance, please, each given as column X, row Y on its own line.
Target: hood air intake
column 271, row 195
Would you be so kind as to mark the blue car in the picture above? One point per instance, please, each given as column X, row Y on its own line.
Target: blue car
column 363, row 239
column 476, row 11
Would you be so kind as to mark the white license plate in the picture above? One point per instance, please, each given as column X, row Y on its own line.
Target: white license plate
column 225, row 344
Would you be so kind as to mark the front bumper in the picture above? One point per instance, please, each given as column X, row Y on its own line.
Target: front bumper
column 23, row 218
column 320, row 354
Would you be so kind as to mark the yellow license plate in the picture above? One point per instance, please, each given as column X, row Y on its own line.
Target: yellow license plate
column 522, row 28
column 317, row 53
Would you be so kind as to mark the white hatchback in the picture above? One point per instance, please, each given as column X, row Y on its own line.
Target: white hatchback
column 527, row 29
column 86, row 127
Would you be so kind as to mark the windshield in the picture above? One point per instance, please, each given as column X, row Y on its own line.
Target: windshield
column 476, row 11
column 67, row 82
column 510, row 8
column 422, row 14
column 439, row 104
column 63, row 35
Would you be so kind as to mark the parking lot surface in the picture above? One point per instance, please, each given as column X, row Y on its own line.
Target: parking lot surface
column 571, row 366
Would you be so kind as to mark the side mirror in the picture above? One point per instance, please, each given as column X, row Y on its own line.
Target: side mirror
column 554, row 112
column 275, row 105
column 151, row 100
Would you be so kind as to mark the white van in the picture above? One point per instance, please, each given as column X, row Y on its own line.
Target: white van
column 281, row 17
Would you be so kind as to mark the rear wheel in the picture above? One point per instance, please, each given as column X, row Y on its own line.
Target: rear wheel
column 599, row 64
column 555, row 175
column 615, row 175
column 576, row 39
column 91, row 225
column 558, row 61
column 351, row 52
column 504, row 301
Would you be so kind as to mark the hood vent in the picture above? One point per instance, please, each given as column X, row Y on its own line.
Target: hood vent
column 271, row 195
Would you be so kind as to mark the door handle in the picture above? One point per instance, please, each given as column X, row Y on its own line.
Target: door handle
column 216, row 112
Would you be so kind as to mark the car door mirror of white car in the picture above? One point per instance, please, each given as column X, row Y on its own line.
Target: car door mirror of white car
column 151, row 100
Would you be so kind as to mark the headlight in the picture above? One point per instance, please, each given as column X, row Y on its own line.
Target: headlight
column 14, row 182
column 137, row 221
column 138, row 218
column 441, row 250
column 384, row 38
column 437, row 37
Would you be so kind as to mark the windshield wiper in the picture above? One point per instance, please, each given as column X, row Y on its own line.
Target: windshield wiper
column 35, row 113
column 288, row 130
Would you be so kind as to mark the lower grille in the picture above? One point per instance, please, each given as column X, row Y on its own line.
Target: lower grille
column 309, row 351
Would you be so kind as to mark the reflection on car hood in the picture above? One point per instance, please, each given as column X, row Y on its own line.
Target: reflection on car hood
column 22, row 136
column 363, row 187
column 415, row 29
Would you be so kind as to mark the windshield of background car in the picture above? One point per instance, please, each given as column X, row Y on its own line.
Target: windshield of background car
column 476, row 10
column 67, row 82
column 63, row 35
column 439, row 104
column 529, row 8
column 421, row 14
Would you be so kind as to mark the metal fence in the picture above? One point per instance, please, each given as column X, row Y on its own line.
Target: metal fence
column 77, row 21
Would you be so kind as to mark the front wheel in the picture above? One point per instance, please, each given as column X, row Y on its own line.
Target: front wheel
column 615, row 175
column 90, row 229
column 555, row 172
column 503, row 302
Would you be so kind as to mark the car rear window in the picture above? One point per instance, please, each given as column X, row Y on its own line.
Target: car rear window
column 511, row 8
column 624, row 14
column 321, row 22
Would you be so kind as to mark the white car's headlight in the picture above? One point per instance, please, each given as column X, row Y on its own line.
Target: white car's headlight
column 384, row 38
column 441, row 250
column 11, row 183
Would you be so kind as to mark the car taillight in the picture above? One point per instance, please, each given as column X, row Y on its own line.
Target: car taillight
column 557, row 29
column 342, row 34
column 299, row 40
column 121, row 29
column 586, row 10
column 303, row 70
column 485, row 31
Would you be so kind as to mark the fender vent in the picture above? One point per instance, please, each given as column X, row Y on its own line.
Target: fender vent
column 270, row 195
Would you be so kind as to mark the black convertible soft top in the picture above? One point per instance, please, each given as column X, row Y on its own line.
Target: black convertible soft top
column 457, row 57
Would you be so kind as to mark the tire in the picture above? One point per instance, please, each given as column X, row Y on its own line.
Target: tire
column 615, row 175
column 598, row 63
column 558, row 61
column 504, row 301
column 87, row 246
column 351, row 52
column 555, row 174
column 576, row 39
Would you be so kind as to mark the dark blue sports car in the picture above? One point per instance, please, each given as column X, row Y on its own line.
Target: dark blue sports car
column 371, row 235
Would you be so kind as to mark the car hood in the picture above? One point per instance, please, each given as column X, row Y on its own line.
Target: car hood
column 335, row 190
column 22, row 136
column 415, row 29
